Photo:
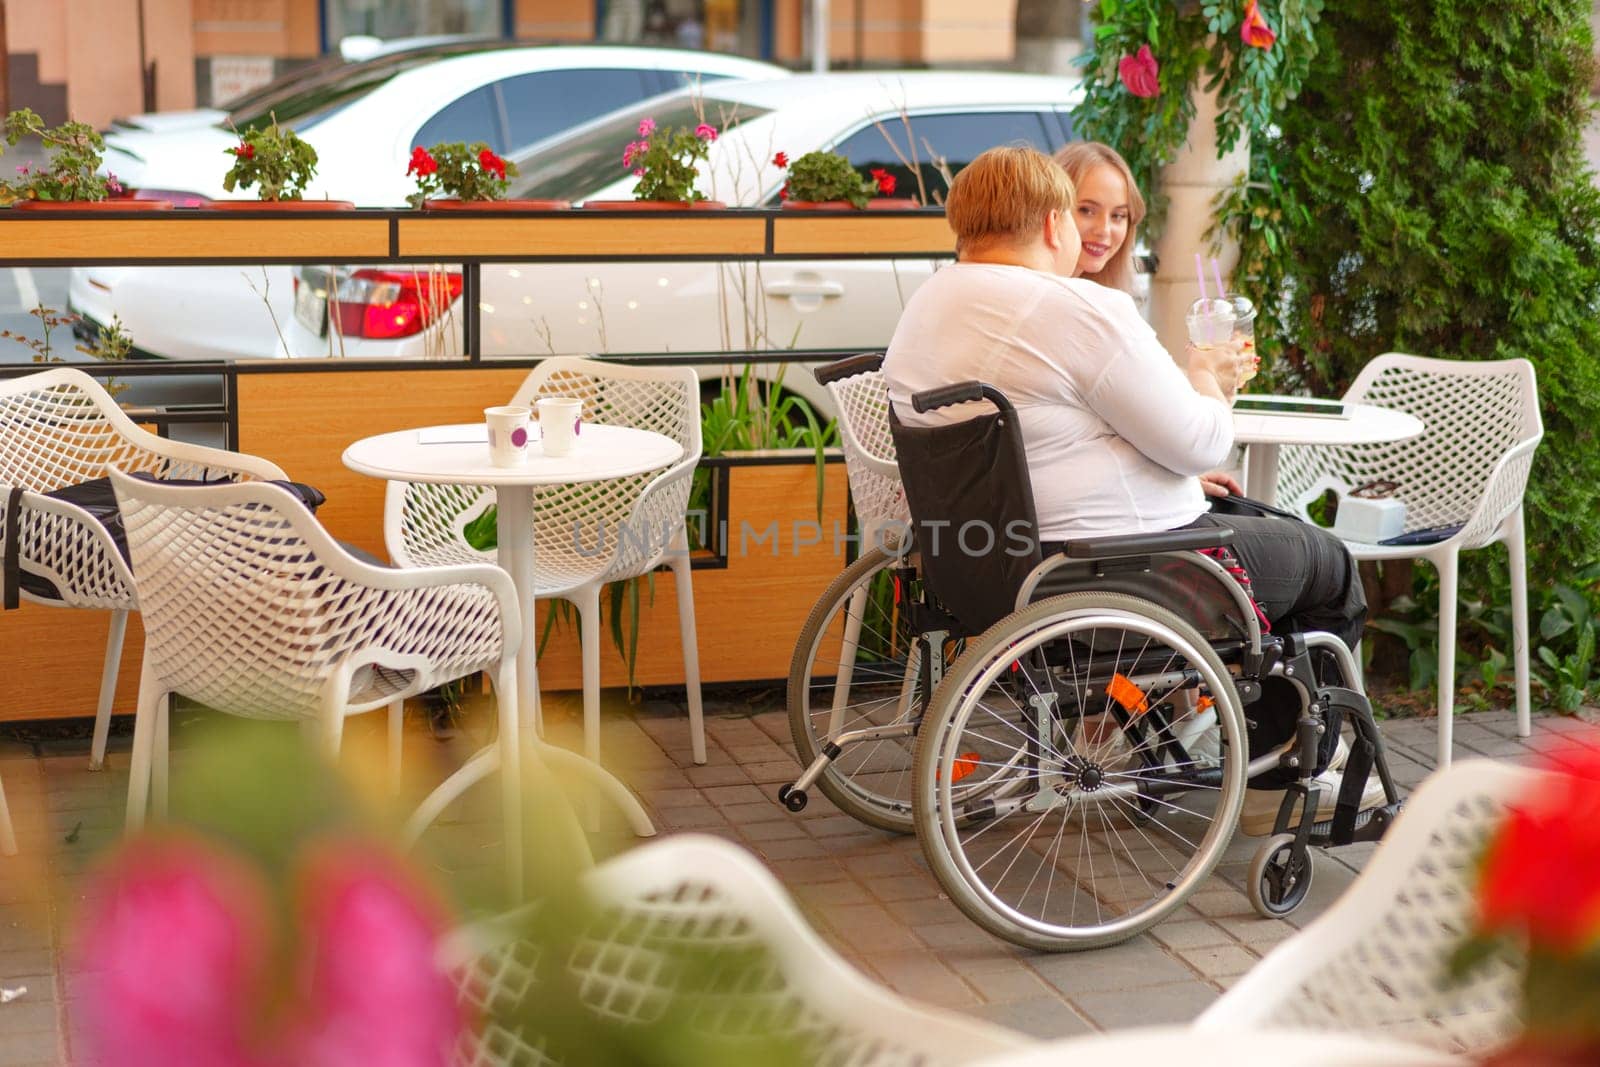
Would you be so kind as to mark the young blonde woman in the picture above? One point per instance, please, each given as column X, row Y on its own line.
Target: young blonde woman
column 1108, row 211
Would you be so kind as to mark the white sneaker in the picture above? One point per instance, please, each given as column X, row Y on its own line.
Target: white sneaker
column 1341, row 755
column 1260, row 812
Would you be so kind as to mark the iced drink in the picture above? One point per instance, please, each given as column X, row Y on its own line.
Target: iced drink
column 1210, row 322
column 1244, row 334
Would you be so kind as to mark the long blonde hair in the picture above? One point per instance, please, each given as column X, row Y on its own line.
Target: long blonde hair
column 1077, row 159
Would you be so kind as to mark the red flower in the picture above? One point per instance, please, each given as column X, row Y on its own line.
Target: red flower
column 492, row 163
column 422, row 163
column 884, row 179
column 780, row 161
column 1140, row 72
column 1255, row 32
column 783, row 194
column 1541, row 875
column 245, row 151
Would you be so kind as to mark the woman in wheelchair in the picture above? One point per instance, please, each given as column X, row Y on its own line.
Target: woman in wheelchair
column 1090, row 683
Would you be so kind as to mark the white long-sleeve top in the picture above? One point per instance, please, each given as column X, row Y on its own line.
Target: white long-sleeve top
column 1114, row 432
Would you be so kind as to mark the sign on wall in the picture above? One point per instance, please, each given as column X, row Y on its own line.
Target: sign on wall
column 233, row 76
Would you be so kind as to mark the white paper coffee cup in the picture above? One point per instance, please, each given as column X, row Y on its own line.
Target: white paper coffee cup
column 508, row 434
column 560, row 423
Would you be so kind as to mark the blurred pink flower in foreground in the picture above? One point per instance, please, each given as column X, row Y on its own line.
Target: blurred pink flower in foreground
column 175, row 960
column 172, row 945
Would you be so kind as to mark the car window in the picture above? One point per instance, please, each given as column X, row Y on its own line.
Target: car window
column 543, row 104
column 575, row 167
column 474, row 117
column 949, row 140
column 301, row 105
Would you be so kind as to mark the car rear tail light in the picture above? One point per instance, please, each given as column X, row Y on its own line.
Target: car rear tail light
column 176, row 197
column 383, row 304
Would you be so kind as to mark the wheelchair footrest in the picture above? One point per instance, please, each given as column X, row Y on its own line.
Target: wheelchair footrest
column 1370, row 825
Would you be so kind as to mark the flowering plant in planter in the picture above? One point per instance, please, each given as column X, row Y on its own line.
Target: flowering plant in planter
column 1539, row 899
column 820, row 177
column 663, row 159
column 461, row 171
column 73, row 170
column 274, row 159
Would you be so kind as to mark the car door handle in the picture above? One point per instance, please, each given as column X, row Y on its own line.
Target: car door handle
column 805, row 287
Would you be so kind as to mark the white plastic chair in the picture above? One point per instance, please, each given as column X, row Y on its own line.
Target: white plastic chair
column 251, row 608
column 691, row 891
column 591, row 534
column 1470, row 466
column 876, row 492
column 1374, row 963
column 59, row 428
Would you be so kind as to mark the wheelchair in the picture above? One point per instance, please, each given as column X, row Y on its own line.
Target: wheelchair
column 1070, row 733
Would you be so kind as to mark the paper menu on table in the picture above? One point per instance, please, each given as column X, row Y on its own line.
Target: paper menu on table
column 477, row 434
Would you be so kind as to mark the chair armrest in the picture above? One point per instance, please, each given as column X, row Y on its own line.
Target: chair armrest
column 1502, row 493
column 67, row 545
column 199, row 459
column 407, row 579
column 1142, row 544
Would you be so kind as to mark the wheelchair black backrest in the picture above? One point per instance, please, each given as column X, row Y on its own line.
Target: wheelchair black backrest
column 971, row 503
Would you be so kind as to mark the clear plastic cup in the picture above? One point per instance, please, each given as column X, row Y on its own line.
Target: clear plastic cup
column 1210, row 322
column 1244, row 334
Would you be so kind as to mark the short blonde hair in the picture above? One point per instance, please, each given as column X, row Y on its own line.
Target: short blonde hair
column 1077, row 159
column 1005, row 195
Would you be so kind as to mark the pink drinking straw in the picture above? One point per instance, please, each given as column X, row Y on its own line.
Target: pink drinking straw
column 1200, row 275
column 1216, row 272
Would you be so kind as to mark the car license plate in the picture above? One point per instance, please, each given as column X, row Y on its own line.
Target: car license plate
column 311, row 306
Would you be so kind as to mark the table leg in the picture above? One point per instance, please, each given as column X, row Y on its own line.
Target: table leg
column 513, row 526
column 1261, row 472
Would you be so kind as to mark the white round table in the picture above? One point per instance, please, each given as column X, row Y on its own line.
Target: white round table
column 459, row 455
column 1263, row 434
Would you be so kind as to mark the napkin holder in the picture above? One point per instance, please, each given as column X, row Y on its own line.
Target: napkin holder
column 1370, row 514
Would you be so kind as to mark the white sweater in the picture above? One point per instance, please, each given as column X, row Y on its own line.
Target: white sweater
column 1114, row 432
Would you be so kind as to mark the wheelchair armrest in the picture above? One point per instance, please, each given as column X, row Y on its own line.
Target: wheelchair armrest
column 848, row 367
column 1146, row 543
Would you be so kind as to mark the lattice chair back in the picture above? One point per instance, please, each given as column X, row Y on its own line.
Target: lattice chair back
column 869, row 456
column 1376, row 962
column 623, row 525
column 1471, row 463
column 251, row 607
column 776, row 978
column 60, row 428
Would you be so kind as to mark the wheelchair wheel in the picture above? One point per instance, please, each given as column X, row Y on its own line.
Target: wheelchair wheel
column 1279, row 879
column 1070, row 790
column 858, row 666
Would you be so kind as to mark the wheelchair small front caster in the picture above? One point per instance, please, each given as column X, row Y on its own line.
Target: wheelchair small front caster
column 1279, row 880
column 792, row 798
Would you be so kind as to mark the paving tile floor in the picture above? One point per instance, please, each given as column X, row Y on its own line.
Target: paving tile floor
column 869, row 893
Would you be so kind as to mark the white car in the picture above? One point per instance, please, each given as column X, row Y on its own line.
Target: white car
column 363, row 124
column 921, row 127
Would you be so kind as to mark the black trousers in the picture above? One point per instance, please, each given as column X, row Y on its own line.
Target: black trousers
column 1303, row 576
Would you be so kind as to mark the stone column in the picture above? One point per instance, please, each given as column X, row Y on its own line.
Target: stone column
column 1192, row 182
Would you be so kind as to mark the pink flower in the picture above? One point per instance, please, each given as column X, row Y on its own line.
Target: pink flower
column 705, row 132
column 638, row 172
column 112, row 185
column 375, row 993
column 647, row 127
column 1255, row 32
column 172, row 948
column 1139, row 73
column 634, row 150
column 22, row 169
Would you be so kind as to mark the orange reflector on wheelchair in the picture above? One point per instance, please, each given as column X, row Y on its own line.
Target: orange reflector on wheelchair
column 1130, row 696
column 962, row 766
column 1206, row 702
